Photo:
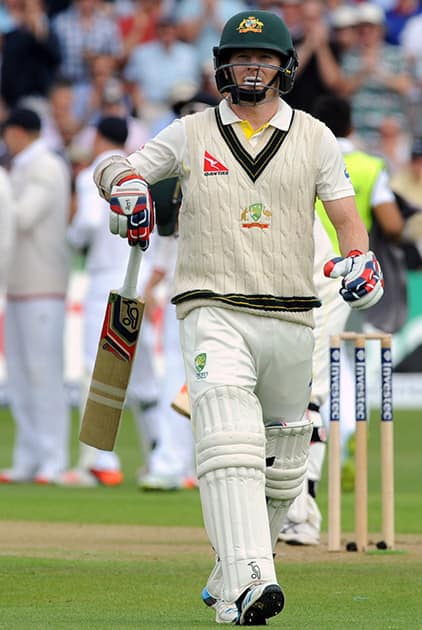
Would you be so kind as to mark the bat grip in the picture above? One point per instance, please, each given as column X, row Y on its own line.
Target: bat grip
column 129, row 288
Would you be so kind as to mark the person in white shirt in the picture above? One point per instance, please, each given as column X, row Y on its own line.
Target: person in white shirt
column 375, row 202
column 171, row 464
column 7, row 225
column 35, row 305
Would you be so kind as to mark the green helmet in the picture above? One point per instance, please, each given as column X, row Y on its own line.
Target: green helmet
column 260, row 30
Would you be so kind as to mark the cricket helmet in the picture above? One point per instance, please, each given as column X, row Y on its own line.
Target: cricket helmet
column 254, row 30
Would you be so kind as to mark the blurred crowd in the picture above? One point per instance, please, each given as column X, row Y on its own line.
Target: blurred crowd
column 74, row 61
column 81, row 66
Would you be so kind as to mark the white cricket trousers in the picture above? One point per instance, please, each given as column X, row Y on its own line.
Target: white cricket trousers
column 34, row 351
column 269, row 357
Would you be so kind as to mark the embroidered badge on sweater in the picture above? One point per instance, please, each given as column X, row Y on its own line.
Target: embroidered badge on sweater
column 256, row 215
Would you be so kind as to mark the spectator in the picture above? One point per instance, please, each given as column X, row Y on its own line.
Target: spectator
column 411, row 42
column 411, row 39
column 156, row 67
column 407, row 181
column 180, row 94
column 291, row 12
column 208, row 84
column 344, row 21
column 375, row 78
column 394, row 144
column 397, row 17
column 56, row 6
column 61, row 125
column 140, row 26
column 318, row 72
column 106, row 264
column 88, row 96
column 30, row 54
column 7, row 16
column 201, row 22
column 113, row 102
column 35, row 306
column 84, row 31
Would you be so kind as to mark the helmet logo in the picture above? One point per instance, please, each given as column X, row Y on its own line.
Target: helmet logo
column 250, row 24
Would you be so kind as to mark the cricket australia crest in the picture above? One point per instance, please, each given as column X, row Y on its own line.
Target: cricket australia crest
column 200, row 362
column 250, row 24
column 256, row 215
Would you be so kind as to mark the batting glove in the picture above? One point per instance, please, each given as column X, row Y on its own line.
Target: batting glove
column 132, row 213
column 363, row 281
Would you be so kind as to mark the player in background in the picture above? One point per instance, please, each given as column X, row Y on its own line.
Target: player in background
column 106, row 260
column 7, row 226
column 376, row 202
column 35, row 303
column 171, row 464
column 250, row 170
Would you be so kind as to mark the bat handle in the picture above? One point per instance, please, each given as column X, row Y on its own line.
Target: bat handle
column 129, row 288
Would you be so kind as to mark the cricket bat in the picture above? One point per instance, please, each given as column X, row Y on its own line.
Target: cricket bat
column 181, row 402
column 114, row 360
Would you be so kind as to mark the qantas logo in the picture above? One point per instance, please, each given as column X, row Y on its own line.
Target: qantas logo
column 212, row 166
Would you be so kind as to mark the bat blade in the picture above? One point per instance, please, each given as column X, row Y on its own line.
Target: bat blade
column 181, row 402
column 113, row 365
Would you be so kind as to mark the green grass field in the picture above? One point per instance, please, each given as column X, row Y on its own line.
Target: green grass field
column 117, row 558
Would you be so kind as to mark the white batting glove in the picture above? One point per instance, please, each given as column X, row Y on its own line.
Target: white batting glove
column 363, row 281
column 132, row 211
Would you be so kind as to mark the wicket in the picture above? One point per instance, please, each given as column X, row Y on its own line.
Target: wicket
column 361, row 454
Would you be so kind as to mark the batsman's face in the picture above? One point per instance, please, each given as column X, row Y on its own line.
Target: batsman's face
column 254, row 69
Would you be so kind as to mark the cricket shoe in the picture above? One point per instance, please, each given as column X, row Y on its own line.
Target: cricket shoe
column 12, row 475
column 78, row 478
column 108, row 477
column 41, row 479
column 224, row 613
column 151, row 482
column 259, row 603
column 304, row 533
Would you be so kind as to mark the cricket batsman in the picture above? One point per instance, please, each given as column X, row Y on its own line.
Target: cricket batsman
column 250, row 170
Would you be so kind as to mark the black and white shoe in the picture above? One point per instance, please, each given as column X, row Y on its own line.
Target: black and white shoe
column 259, row 603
